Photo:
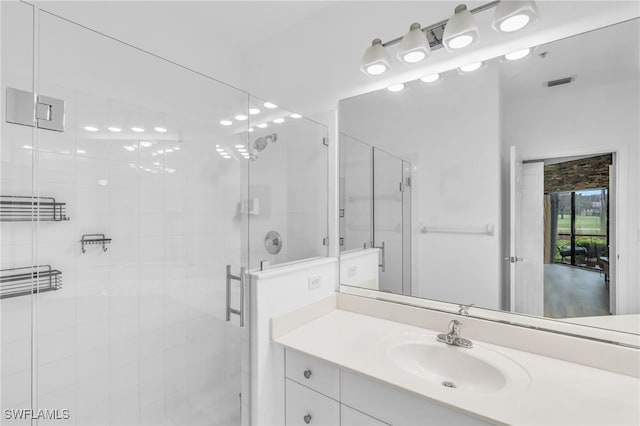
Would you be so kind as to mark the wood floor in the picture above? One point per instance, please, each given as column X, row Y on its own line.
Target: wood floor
column 573, row 292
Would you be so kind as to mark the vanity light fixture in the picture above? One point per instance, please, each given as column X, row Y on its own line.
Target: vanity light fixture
column 226, row 122
column 114, row 129
column 455, row 33
column 279, row 120
column 160, row 129
column 90, row 128
column 295, row 115
column 414, row 46
column 430, row 78
column 471, row 67
column 375, row 61
column 518, row 54
column 512, row 16
column 270, row 105
column 394, row 88
column 254, row 111
column 461, row 29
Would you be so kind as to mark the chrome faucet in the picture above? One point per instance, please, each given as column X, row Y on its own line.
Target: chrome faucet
column 453, row 336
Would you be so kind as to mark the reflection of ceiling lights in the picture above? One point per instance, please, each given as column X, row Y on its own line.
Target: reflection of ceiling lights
column 270, row 105
column 430, row 78
column 226, row 122
column 239, row 146
column 90, row 128
column 250, row 129
column 262, row 125
column 518, row 54
column 279, row 120
column 471, row 67
column 254, row 111
column 241, row 117
column 396, row 88
column 514, row 15
column 414, row 46
column 137, row 129
column 130, row 148
column 114, row 129
column 295, row 115
column 160, row 129
column 458, row 32
column 146, row 144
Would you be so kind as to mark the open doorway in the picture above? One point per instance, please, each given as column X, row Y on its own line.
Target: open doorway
column 577, row 236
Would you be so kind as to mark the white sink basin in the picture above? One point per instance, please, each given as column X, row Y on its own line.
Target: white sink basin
column 477, row 369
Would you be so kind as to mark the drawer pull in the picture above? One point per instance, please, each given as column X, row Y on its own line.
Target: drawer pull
column 307, row 418
column 307, row 374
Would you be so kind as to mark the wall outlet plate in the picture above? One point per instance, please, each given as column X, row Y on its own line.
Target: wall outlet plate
column 315, row 282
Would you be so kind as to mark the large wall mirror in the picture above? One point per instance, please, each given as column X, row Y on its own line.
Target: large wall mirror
column 513, row 187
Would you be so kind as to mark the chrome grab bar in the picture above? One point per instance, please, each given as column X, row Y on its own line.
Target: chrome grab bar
column 240, row 278
column 382, row 263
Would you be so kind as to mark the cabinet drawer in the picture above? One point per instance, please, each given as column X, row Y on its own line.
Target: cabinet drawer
column 307, row 407
column 351, row 417
column 314, row 373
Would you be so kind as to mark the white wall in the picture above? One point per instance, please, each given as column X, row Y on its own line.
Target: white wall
column 449, row 131
column 574, row 120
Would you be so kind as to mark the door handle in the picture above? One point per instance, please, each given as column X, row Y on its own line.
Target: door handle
column 241, row 279
column 382, row 263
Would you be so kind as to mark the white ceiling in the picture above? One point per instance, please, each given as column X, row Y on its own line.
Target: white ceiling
column 304, row 55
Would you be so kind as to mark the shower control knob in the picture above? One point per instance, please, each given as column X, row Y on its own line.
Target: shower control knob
column 307, row 374
column 307, row 418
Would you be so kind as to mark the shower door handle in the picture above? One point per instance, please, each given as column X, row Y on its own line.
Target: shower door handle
column 241, row 279
column 382, row 263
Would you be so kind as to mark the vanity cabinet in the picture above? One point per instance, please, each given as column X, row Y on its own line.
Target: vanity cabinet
column 319, row 393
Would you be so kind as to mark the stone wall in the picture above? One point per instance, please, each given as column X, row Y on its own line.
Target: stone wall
column 586, row 173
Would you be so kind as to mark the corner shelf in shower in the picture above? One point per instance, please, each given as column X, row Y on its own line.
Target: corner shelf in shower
column 31, row 279
column 27, row 209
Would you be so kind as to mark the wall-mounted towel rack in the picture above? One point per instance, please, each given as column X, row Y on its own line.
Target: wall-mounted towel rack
column 15, row 208
column 488, row 229
column 31, row 279
column 89, row 239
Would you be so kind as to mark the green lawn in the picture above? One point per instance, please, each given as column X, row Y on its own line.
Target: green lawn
column 584, row 225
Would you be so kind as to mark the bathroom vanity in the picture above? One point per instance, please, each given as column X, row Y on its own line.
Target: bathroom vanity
column 352, row 365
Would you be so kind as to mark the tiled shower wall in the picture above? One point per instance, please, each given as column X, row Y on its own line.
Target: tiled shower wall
column 136, row 334
column 289, row 180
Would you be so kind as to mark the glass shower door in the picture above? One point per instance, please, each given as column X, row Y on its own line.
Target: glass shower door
column 154, row 189
column 388, row 187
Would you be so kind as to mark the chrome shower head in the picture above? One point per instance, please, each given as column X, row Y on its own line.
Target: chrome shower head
column 261, row 143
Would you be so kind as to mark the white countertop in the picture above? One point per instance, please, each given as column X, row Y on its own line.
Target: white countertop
column 559, row 392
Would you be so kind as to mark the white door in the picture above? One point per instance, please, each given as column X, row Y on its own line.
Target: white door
column 613, row 257
column 526, row 244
